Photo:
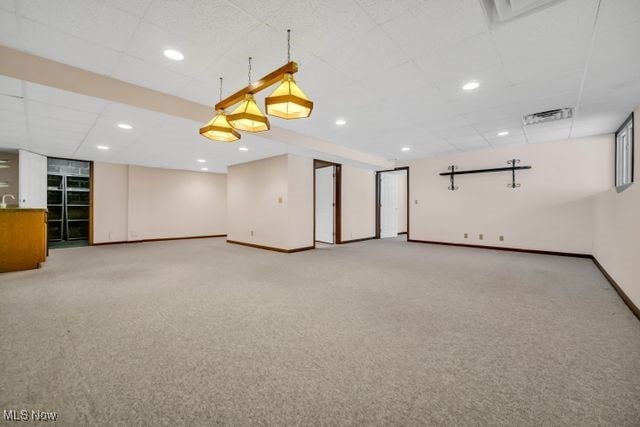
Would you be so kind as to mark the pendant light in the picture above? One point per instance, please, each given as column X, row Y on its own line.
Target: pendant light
column 247, row 116
column 218, row 128
column 288, row 101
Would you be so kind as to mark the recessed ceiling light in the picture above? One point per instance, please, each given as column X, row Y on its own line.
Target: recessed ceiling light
column 503, row 133
column 102, row 147
column 243, row 149
column 341, row 122
column 204, row 169
column 124, row 126
column 471, row 86
column 173, row 54
column 202, row 161
column 406, row 148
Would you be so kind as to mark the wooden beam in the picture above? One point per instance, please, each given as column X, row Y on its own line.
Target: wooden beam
column 258, row 85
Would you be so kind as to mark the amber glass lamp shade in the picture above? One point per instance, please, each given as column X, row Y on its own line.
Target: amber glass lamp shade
column 248, row 117
column 219, row 129
column 288, row 101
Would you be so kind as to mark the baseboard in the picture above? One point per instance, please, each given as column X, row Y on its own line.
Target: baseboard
column 271, row 248
column 158, row 240
column 401, row 233
column 322, row 241
column 502, row 248
column 357, row 240
column 634, row 308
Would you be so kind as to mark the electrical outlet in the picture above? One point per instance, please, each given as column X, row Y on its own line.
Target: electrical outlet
column 466, row 235
column 502, row 238
column 481, row 236
column 279, row 199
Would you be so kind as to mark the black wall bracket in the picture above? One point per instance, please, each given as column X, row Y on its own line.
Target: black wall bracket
column 453, row 170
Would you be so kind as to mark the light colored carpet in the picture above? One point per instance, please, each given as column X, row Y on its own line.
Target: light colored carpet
column 372, row 333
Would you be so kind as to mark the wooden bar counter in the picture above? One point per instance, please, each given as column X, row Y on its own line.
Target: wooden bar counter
column 23, row 239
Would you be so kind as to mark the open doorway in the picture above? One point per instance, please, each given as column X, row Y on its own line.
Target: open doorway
column 326, row 202
column 392, row 203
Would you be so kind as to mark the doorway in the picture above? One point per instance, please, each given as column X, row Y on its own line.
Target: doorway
column 326, row 202
column 68, row 202
column 392, row 203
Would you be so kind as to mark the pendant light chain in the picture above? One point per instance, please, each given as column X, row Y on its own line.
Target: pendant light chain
column 288, row 46
column 220, row 88
column 249, row 71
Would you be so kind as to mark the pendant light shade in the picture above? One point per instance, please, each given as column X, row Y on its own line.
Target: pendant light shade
column 288, row 101
column 248, row 117
column 219, row 129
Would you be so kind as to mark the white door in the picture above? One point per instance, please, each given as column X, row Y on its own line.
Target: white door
column 32, row 180
column 388, row 205
column 324, row 204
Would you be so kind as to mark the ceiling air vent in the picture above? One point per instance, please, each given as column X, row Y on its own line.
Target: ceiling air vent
column 499, row 11
column 547, row 116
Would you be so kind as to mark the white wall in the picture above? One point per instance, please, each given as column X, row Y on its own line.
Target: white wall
column 552, row 210
column 270, row 202
column 137, row 203
column 358, row 203
column 617, row 228
column 110, row 202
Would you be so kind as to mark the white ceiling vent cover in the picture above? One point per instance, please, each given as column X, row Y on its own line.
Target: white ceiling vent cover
column 548, row 116
column 499, row 11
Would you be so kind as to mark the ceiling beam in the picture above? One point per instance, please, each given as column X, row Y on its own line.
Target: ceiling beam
column 36, row 69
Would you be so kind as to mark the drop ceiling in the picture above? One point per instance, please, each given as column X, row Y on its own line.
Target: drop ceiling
column 392, row 69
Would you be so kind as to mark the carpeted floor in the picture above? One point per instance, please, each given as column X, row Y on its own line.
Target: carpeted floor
column 200, row 332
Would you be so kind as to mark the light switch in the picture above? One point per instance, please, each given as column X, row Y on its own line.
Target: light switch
column 279, row 199
column 481, row 236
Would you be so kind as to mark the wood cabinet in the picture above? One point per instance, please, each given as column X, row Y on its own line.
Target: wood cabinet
column 23, row 239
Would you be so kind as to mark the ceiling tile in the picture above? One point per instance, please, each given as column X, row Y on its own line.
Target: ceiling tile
column 11, row 103
column 91, row 20
column 134, row 7
column 321, row 25
column 12, row 134
column 383, row 11
column 8, row 5
column 9, row 86
column 12, row 117
column 150, row 42
column 616, row 13
column 63, row 98
column 372, row 52
column 60, row 113
column 213, row 23
column 49, row 43
column 9, row 33
column 436, row 25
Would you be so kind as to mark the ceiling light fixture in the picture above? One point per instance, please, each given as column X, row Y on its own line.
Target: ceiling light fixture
column 341, row 122
column 202, row 161
column 471, row 86
column 125, row 126
column 204, row 169
column 173, row 54
column 243, row 149
column 102, row 147
column 503, row 133
column 219, row 128
column 406, row 148
column 288, row 101
column 247, row 116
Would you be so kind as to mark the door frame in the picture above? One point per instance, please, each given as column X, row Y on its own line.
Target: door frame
column 378, row 176
column 337, row 208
